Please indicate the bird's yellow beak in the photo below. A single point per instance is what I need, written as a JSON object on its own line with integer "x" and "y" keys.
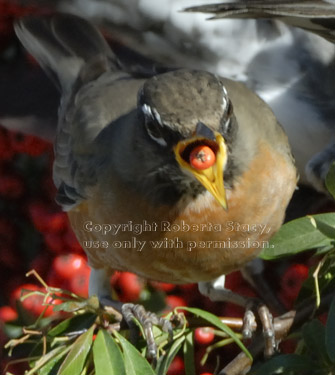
{"x": 212, "y": 177}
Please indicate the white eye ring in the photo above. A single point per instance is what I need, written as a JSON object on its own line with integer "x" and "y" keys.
{"x": 152, "y": 114}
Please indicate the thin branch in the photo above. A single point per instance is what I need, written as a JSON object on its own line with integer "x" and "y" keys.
{"x": 292, "y": 320}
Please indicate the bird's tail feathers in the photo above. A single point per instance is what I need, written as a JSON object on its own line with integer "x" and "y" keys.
{"x": 63, "y": 44}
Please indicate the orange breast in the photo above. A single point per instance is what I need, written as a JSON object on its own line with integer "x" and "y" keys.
{"x": 195, "y": 242}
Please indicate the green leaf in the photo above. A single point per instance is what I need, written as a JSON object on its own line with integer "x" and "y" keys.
{"x": 326, "y": 229}
{"x": 107, "y": 356}
{"x": 74, "y": 324}
{"x": 330, "y": 332}
{"x": 188, "y": 349}
{"x": 165, "y": 361}
{"x": 47, "y": 358}
{"x": 215, "y": 321}
{"x": 70, "y": 306}
{"x": 51, "y": 367}
{"x": 284, "y": 364}
{"x": 314, "y": 338}
{"x": 75, "y": 360}
{"x": 330, "y": 180}
{"x": 134, "y": 362}
{"x": 12, "y": 330}
{"x": 326, "y": 280}
{"x": 298, "y": 235}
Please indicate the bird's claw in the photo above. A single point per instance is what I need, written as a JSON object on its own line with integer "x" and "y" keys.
{"x": 147, "y": 320}
{"x": 266, "y": 320}
{"x": 249, "y": 323}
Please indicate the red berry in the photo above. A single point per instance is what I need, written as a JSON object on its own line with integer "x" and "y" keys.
{"x": 177, "y": 366}
{"x": 31, "y": 145}
{"x": 165, "y": 287}
{"x": 174, "y": 301}
{"x": 287, "y": 302}
{"x": 54, "y": 243}
{"x": 46, "y": 219}
{"x": 67, "y": 266}
{"x": 79, "y": 282}
{"x": 34, "y": 303}
{"x": 202, "y": 157}
{"x": 71, "y": 242}
{"x": 11, "y": 186}
{"x": 114, "y": 278}
{"x": 204, "y": 335}
{"x": 292, "y": 280}
{"x": 55, "y": 281}
{"x": 128, "y": 287}
{"x": 52, "y": 302}
{"x": 7, "y": 314}
{"x": 57, "y": 222}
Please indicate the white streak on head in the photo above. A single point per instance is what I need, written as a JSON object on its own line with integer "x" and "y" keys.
{"x": 146, "y": 109}
{"x": 152, "y": 112}
{"x": 224, "y": 99}
{"x": 157, "y": 116}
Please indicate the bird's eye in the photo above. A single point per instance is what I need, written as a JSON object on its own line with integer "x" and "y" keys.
{"x": 153, "y": 125}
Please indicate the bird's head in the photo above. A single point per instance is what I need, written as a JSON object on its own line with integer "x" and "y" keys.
{"x": 187, "y": 118}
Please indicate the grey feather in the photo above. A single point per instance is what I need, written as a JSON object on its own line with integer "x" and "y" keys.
{"x": 317, "y": 16}
{"x": 62, "y": 45}
{"x": 75, "y": 54}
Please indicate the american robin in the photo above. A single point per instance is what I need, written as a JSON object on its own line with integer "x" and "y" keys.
{"x": 179, "y": 177}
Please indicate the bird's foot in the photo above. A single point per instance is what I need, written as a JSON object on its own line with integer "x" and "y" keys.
{"x": 216, "y": 292}
{"x": 128, "y": 313}
{"x": 131, "y": 312}
{"x": 266, "y": 320}
{"x": 146, "y": 319}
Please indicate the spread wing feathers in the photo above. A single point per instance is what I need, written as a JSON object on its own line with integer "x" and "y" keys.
{"x": 63, "y": 44}
{"x": 77, "y": 56}
{"x": 317, "y": 16}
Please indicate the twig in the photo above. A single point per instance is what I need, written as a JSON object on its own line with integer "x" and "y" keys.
{"x": 292, "y": 320}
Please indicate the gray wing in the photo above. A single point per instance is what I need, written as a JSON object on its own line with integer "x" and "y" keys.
{"x": 62, "y": 44}
{"x": 93, "y": 88}
{"x": 317, "y": 16}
